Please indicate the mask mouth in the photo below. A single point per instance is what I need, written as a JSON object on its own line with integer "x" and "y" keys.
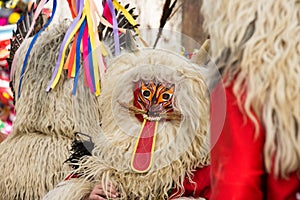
{"x": 152, "y": 117}
{"x": 158, "y": 114}
{"x": 154, "y": 113}
{"x": 142, "y": 115}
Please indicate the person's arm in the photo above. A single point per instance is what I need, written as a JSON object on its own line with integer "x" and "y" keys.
{"x": 237, "y": 158}
{"x": 197, "y": 188}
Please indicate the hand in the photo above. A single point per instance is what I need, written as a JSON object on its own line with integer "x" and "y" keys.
{"x": 98, "y": 192}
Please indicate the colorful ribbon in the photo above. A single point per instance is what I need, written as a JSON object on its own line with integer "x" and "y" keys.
{"x": 86, "y": 45}
{"x": 31, "y": 45}
{"x": 127, "y": 15}
{"x": 78, "y": 42}
{"x": 93, "y": 28}
{"x": 115, "y": 27}
{"x": 67, "y": 39}
{"x": 86, "y": 23}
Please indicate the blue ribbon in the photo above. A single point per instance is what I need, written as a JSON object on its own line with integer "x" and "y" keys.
{"x": 91, "y": 64}
{"x": 80, "y": 34}
{"x": 67, "y": 35}
{"x": 31, "y": 45}
{"x": 115, "y": 27}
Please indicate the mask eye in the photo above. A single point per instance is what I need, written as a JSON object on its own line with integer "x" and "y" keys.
{"x": 146, "y": 93}
{"x": 166, "y": 96}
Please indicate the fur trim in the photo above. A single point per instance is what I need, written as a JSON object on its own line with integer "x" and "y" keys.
{"x": 31, "y": 165}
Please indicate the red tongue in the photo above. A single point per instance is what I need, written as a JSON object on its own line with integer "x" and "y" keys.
{"x": 144, "y": 147}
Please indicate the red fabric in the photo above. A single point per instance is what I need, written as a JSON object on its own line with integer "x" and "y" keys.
{"x": 202, "y": 186}
{"x": 107, "y": 14}
{"x": 70, "y": 176}
{"x": 72, "y": 7}
{"x": 286, "y": 189}
{"x": 237, "y": 167}
{"x": 143, "y": 154}
{"x": 199, "y": 186}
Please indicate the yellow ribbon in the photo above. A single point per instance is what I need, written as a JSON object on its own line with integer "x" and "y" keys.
{"x": 127, "y": 15}
{"x": 92, "y": 28}
{"x": 65, "y": 48}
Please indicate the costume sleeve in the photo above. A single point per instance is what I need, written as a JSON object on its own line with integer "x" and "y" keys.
{"x": 237, "y": 157}
{"x": 283, "y": 188}
{"x": 199, "y": 186}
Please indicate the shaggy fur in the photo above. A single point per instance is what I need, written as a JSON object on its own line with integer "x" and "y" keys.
{"x": 266, "y": 80}
{"x": 181, "y": 146}
{"x": 31, "y": 158}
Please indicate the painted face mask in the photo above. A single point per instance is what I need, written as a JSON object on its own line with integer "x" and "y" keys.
{"x": 154, "y": 101}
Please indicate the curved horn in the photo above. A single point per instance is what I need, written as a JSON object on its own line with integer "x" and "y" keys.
{"x": 201, "y": 57}
{"x": 130, "y": 42}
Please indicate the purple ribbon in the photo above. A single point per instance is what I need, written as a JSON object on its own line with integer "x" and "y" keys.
{"x": 71, "y": 28}
{"x": 115, "y": 27}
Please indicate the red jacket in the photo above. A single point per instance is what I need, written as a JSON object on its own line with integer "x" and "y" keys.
{"x": 237, "y": 164}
